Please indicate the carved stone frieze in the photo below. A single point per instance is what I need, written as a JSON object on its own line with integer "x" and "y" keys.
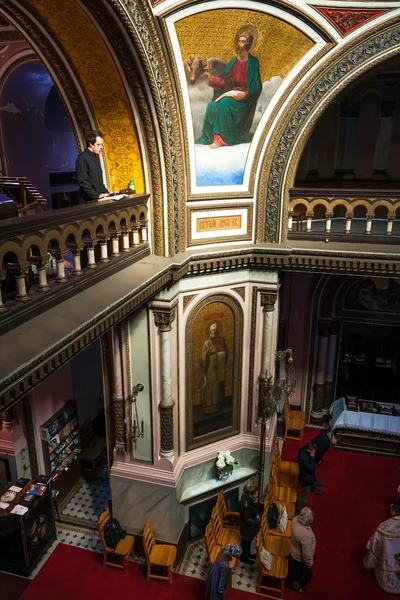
{"x": 164, "y": 317}
{"x": 346, "y": 20}
{"x": 118, "y": 406}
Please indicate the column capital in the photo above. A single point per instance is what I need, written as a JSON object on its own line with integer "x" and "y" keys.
{"x": 18, "y": 269}
{"x": 59, "y": 255}
{"x": 329, "y": 215}
{"x": 40, "y": 260}
{"x": 164, "y": 317}
{"x": 268, "y": 299}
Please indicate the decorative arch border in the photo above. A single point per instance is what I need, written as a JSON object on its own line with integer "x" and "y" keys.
{"x": 291, "y": 137}
{"x": 232, "y": 302}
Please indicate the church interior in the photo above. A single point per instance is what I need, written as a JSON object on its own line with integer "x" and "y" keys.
{"x": 233, "y": 307}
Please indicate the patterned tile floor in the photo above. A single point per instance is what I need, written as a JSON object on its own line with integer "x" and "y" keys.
{"x": 85, "y": 503}
{"x": 194, "y": 564}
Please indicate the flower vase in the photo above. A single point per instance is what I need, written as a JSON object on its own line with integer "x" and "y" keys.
{"x": 223, "y": 475}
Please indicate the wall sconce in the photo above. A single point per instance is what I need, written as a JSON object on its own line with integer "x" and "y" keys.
{"x": 136, "y": 432}
{"x": 289, "y": 383}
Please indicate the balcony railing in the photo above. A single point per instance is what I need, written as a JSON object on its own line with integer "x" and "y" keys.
{"x": 345, "y": 215}
{"x": 52, "y": 255}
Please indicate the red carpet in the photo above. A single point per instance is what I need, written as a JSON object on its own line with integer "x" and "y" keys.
{"x": 75, "y": 574}
{"x": 359, "y": 490}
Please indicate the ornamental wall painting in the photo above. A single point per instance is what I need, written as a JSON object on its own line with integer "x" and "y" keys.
{"x": 233, "y": 62}
{"x": 213, "y": 357}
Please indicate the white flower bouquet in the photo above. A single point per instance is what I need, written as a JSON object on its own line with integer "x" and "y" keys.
{"x": 224, "y": 463}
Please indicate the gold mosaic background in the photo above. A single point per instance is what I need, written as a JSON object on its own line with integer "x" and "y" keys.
{"x": 94, "y": 65}
{"x": 216, "y": 312}
{"x": 279, "y": 46}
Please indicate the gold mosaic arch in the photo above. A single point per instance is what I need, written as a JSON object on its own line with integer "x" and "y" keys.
{"x": 104, "y": 87}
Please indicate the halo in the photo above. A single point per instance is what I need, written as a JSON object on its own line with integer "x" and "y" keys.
{"x": 244, "y": 31}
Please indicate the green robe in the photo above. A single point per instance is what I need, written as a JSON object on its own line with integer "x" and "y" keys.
{"x": 229, "y": 118}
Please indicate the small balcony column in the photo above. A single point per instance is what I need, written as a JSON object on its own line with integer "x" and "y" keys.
{"x": 125, "y": 241}
{"x": 60, "y": 260}
{"x": 368, "y": 225}
{"x": 2, "y": 278}
{"x": 90, "y": 246}
{"x": 348, "y": 223}
{"x": 41, "y": 264}
{"x": 115, "y": 244}
{"x": 328, "y": 225}
{"x": 76, "y": 256}
{"x": 19, "y": 272}
{"x": 103, "y": 241}
{"x": 309, "y": 216}
{"x": 290, "y": 220}
{"x": 135, "y": 235}
{"x": 389, "y": 224}
{"x": 143, "y": 230}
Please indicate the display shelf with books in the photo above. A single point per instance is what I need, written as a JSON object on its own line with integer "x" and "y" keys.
{"x": 60, "y": 440}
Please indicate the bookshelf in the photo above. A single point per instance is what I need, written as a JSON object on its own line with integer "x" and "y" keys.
{"x": 61, "y": 443}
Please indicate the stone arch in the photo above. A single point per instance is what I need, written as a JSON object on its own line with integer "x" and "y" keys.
{"x": 36, "y": 240}
{"x": 295, "y": 126}
{"x": 45, "y": 25}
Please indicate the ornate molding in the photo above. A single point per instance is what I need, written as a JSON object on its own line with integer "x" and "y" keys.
{"x": 187, "y": 300}
{"x": 118, "y": 406}
{"x": 166, "y": 430}
{"x": 356, "y": 58}
{"x": 252, "y": 356}
{"x": 346, "y": 20}
{"x": 139, "y": 20}
{"x": 241, "y": 291}
{"x": 133, "y": 76}
{"x": 268, "y": 300}
{"x": 164, "y": 317}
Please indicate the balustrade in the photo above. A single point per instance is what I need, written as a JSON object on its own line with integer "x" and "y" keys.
{"x": 30, "y": 246}
{"x": 363, "y": 213}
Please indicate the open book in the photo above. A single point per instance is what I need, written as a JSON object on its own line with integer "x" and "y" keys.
{"x": 230, "y": 94}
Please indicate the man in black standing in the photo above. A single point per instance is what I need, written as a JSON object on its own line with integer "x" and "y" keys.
{"x": 88, "y": 169}
{"x": 249, "y": 521}
{"x": 308, "y": 481}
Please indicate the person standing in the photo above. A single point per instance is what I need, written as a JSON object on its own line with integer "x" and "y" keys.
{"x": 308, "y": 481}
{"x": 384, "y": 552}
{"x": 88, "y": 169}
{"x": 218, "y": 578}
{"x": 302, "y": 548}
{"x": 249, "y": 521}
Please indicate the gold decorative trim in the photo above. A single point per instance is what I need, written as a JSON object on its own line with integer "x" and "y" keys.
{"x": 241, "y": 291}
{"x": 217, "y": 239}
{"x": 203, "y": 440}
{"x": 187, "y": 300}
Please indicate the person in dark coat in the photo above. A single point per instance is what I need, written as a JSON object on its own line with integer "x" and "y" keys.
{"x": 323, "y": 443}
{"x": 88, "y": 169}
{"x": 249, "y": 521}
{"x": 218, "y": 578}
{"x": 308, "y": 481}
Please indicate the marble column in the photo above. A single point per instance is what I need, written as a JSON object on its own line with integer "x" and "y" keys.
{"x": 290, "y": 220}
{"x": 348, "y": 222}
{"x": 19, "y": 272}
{"x": 125, "y": 241}
{"x": 40, "y": 262}
{"x": 118, "y": 393}
{"x": 103, "y": 247}
{"x": 309, "y": 216}
{"x": 115, "y": 244}
{"x": 90, "y": 246}
{"x": 268, "y": 300}
{"x": 330, "y": 367}
{"x": 60, "y": 258}
{"x": 389, "y": 225}
{"x": 328, "y": 223}
{"x": 319, "y": 385}
{"x": 368, "y": 224}
{"x": 163, "y": 318}
{"x": 76, "y": 257}
{"x": 135, "y": 235}
{"x": 143, "y": 230}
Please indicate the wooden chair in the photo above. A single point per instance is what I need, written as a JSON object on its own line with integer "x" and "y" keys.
{"x": 121, "y": 552}
{"x": 285, "y": 466}
{"x": 93, "y": 447}
{"x": 157, "y": 555}
{"x": 290, "y": 506}
{"x": 283, "y": 493}
{"x": 277, "y": 545}
{"x": 277, "y": 574}
{"x": 229, "y": 518}
{"x": 294, "y": 422}
{"x": 223, "y": 535}
{"x": 213, "y": 549}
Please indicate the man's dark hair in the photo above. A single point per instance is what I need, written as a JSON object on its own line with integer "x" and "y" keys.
{"x": 250, "y": 40}
{"x": 396, "y": 508}
{"x": 311, "y": 446}
{"x": 92, "y": 135}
